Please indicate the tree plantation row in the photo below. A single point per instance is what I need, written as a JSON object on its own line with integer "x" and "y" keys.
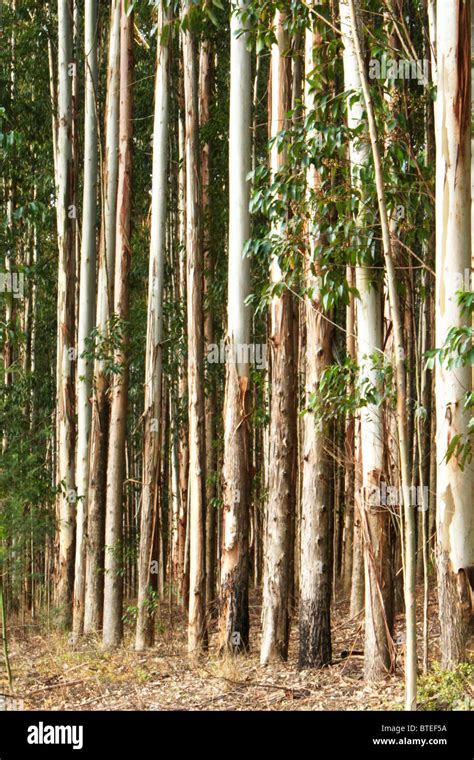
{"x": 236, "y": 322}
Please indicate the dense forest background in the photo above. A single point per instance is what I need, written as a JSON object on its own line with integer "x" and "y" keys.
{"x": 236, "y": 353}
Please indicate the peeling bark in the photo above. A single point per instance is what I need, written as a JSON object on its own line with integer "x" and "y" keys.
{"x": 153, "y": 356}
{"x": 316, "y": 496}
{"x": 375, "y": 520}
{"x": 113, "y": 560}
{"x": 94, "y": 591}
{"x": 455, "y": 488}
{"x": 234, "y": 613}
{"x": 196, "y": 403}
{"x": 65, "y": 433}
{"x": 283, "y": 420}
{"x": 86, "y": 310}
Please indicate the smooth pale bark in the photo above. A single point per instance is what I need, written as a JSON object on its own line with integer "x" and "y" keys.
{"x": 194, "y": 256}
{"x": 316, "y": 495}
{"x": 33, "y": 328}
{"x": 375, "y": 519}
{"x": 154, "y": 350}
{"x": 234, "y": 613}
{"x": 455, "y": 490}
{"x": 105, "y": 288}
{"x": 283, "y": 420}
{"x": 65, "y": 478}
{"x": 113, "y": 562}
{"x": 358, "y": 153}
{"x": 87, "y": 291}
{"x": 431, "y": 15}
{"x": 400, "y": 375}
{"x": 53, "y": 99}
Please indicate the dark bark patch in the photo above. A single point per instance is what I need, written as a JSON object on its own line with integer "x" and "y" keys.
{"x": 462, "y": 102}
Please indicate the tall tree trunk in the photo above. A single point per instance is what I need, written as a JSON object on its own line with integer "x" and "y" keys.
{"x": 283, "y": 420}
{"x": 113, "y": 560}
{"x": 315, "y": 561}
{"x": 234, "y": 613}
{"x": 53, "y": 96}
{"x": 206, "y": 72}
{"x": 375, "y": 517}
{"x": 194, "y": 255}
{"x": 174, "y": 516}
{"x": 105, "y": 288}
{"x": 153, "y": 355}
{"x": 455, "y": 495}
{"x": 8, "y": 185}
{"x": 400, "y": 374}
{"x": 181, "y": 575}
{"x": 75, "y": 159}
{"x": 65, "y": 503}
{"x": 9, "y": 321}
{"x": 86, "y": 308}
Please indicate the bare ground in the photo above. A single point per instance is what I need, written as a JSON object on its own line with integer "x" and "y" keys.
{"x": 51, "y": 673}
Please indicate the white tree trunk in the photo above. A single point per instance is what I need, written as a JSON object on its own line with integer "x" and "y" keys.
{"x": 375, "y": 520}
{"x": 105, "y": 288}
{"x": 315, "y": 557}
{"x": 401, "y": 385}
{"x": 153, "y": 355}
{"x": 65, "y": 312}
{"x": 87, "y": 295}
{"x": 234, "y": 614}
{"x": 194, "y": 256}
{"x": 431, "y": 13}
{"x": 113, "y": 560}
{"x": 53, "y": 99}
{"x": 455, "y": 488}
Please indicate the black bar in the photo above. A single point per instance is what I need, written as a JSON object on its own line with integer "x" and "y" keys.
{"x": 225, "y": 735}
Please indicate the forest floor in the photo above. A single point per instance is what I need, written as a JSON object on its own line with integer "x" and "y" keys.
{"x": 51, "y": 673}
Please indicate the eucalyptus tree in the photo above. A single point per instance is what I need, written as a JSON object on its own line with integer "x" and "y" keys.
{"x": 104, "y": 307}
{"x": 206, "y": 85}
{"x": 65, "y": 402}
{"x": 375, "y": 518}
{"x": 316, "y": 495}
{"x": 400, "y": 384}
{"x": 154, "y": 349}
{"x": 113, "y": 559}
{"x": 455, "y": 477}
{"x": 195, "y": 337}
{"x": 86, "y": 311}
{"x": 283, "y": 427}
{"x": 234, "y": 613}
{"x": 180, "y": 569}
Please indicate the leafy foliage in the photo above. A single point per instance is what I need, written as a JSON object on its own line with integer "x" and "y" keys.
{"x": 447, "y": 689}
